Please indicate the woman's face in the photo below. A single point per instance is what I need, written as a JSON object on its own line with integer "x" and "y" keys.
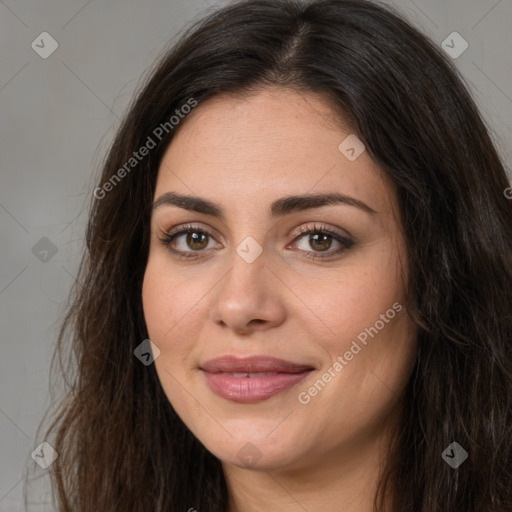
{"x": 253, "y": 279}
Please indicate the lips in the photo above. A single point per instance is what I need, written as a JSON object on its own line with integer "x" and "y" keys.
{"x": 255, "y": 364}
{"x": 252, "y": 379}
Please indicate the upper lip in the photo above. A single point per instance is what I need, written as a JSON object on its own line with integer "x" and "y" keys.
{"x": 253, "y": 364}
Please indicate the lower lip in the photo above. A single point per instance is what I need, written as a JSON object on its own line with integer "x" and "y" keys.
{"x": 252, "y": 389}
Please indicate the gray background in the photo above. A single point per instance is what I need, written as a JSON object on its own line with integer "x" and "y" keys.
{"x": 58, "y": 116}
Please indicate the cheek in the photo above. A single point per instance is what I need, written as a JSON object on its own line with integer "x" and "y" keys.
{"x": 355, "y": 300}
{"x": 371, "y": 332}
{"x": 155, "y": 301}
{"x": 169, "y": 309}
{"x": 171, "y": 321}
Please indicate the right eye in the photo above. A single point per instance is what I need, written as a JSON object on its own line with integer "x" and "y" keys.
{"x": 184, "y": 241}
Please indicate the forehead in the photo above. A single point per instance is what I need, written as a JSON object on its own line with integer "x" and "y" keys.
{"x": 271, "y": 143}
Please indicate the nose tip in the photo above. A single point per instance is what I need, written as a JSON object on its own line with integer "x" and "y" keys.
{"x": 248, "y": 298}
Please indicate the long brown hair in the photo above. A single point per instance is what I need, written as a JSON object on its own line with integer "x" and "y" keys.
{"x": 121, "y": 445}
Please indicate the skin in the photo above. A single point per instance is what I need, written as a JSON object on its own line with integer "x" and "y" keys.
{"x": 244, "y": 153}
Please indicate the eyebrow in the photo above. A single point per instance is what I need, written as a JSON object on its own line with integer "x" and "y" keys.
{"x": 279, "y": 208}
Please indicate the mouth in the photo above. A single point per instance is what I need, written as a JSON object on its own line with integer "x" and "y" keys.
{"x": 253, "y": 379}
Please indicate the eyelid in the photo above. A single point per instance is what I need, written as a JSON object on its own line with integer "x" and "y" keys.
{"x": 345, "y": 240}
{"x": 188, "y": 227}
{"x": 303, "y": 229}
{"x": 169, "y": 235}
{"x": 324, "y": 228}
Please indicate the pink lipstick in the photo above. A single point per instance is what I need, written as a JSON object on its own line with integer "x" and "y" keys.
{"x": 252, "y": 379}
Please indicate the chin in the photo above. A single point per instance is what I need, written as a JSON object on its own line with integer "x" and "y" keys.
{"x": 258, "y": 451}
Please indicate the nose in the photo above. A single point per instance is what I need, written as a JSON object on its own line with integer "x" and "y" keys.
{"x": 249, "y": 297}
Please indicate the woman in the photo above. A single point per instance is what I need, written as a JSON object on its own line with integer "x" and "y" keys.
{"x": 305, "y": 214}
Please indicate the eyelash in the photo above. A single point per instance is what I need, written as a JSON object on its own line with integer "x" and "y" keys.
{"x": 168, "y": 238}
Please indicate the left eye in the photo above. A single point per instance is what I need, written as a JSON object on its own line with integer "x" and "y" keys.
{"x": 320, "y": 240}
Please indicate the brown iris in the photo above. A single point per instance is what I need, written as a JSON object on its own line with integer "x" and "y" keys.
{"x": 197, "y": 238}
{"x": 322, "y": 246}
